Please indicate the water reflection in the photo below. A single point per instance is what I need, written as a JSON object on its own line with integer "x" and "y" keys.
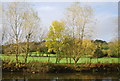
{"x": 19, "y": 76}
{"x": 61, "y": 80}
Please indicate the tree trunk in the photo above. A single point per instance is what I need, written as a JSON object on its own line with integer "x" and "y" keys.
{"x": 27, "y": 50}
{"x": 56, "y": 58}
{"x": 90, "y": 60}
{"x": 66, "y": 60}
{"x": 49, "y": 58}
{"x": 17, "y": 50}
{"x": 70, "y": 58}
{"x": 75, "y": 63}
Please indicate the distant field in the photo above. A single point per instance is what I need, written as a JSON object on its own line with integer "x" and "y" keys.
{"x": 63, "y": 60}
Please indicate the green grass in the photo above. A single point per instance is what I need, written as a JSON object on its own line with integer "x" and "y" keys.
{"x": 63, "y": 60}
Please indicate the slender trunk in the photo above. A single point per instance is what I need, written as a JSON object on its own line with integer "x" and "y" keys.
{"x": 82, "y": 35}
{"x": 97, "y": 60}
{"x": 17, "y": 50}
{"x": 39, "y": 54}
{"x": 86, "y": 58}
{"x": 90, "y": 60}
{"x": 16, "y": 35}
{"x": 49, "y": 58}
{"x": 75, "y": 63}
{"x": 66, "y": 60}
{"x": 56, "y": 58}
{"x": 70, "y": 60}
{"x": 27, "y": 50}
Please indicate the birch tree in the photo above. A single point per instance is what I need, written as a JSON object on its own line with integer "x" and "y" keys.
{"x": 31, "y": 27}
{"x": 14, "y": 22}
{"x": 22, "y": 24}
{"x": 77, "y": 18}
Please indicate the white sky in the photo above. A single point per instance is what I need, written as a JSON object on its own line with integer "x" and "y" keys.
{"x": 59, "y": 0}
{"x": 105, "y": 14}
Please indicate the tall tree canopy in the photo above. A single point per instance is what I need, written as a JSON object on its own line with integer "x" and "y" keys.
{"x": 78, "y": 20}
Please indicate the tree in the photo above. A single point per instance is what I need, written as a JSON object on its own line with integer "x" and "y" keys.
{"x": 14, "y": 22}
{"x": 23, "y": 24}
{"x": 98, "y": 52}
{"x": 77, "y": 19}
{"x": 101, "y": 46}
{"x": 114, "y": 49}
{"x": 54, "y": 38}
{"x": 31, "y": 27}
{"x": 89, "y": 48}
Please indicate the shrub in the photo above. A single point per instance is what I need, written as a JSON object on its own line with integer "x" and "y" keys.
{"x": 8, "y": 65}
{"x": 98, "y": 52}
{"x": 37, "y": 67}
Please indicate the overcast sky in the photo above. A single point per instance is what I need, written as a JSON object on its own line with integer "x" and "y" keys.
{"x": 105, "y": 14}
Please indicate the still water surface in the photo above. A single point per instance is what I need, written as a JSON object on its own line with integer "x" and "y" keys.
{"x": 19, "y": 76}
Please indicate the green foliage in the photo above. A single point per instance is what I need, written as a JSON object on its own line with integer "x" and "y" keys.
{"x": 98, "y": 52}
{"x": 54, "y": 37}
{"x": 114, "y": 49}
{"x": 102, "y": 48}
{"x": 33, "y": 47}
{"x": 10, "y": 65}
{"x": 89, "y": 48}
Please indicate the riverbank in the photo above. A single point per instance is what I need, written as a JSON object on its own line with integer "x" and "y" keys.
{"x": 67, "y": 76}
{"x": 45, "y": 67}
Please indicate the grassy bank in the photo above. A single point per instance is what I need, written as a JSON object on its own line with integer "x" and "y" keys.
{"x": 44, "y": 67}
{"x": 36, "y": 67}
{"x": 41, "y": 64}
